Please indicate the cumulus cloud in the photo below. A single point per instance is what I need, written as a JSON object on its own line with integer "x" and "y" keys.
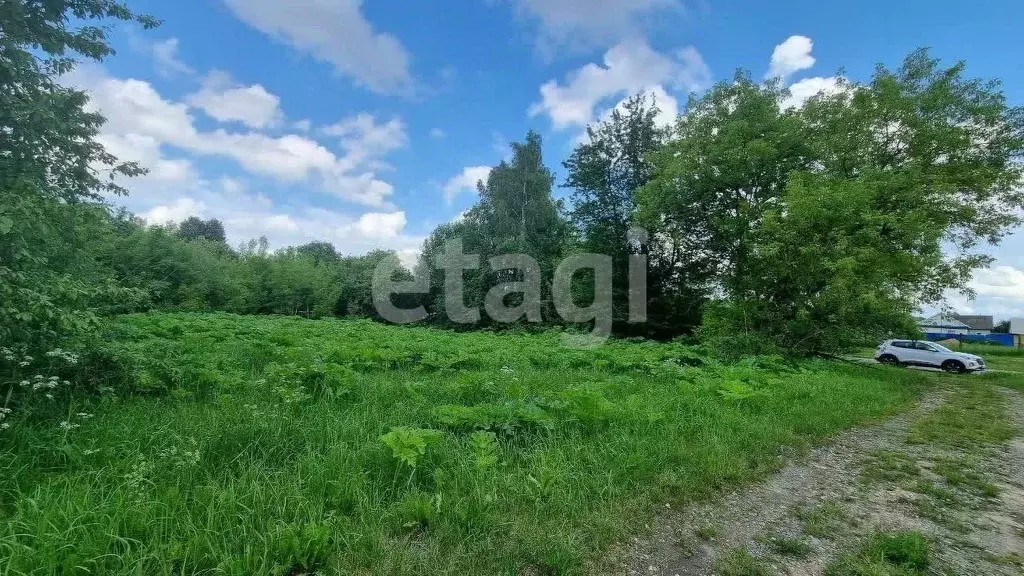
{"x": 998, "y": 291}
{"x": 225, "y": 101}
{"x": 1000, "y": 282}
{"x": 465, "y": 181}
{"x": 179, "y": 210}
{"x": 137, "y": 114}
{"x": 165, "y": 55}
{"x": 628, "y": 67}
{"x": 793, "y": 55}
{"x": 582, "y": 24}
{"x": 336, "y": 32}
{"x": 246, "y": 216}
{"x": 381, "y": 224}
{"x": 800, "y": 92}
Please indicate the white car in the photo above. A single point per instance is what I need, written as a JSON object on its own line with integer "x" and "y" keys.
{"x": 930, "y": 354}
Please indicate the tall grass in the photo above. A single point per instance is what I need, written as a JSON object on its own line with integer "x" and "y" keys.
{"x": 251, "y": 445}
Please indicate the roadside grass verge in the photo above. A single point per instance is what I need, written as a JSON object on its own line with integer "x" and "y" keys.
{"x": 256, "y": 445}
{"x": 974, "y": 414}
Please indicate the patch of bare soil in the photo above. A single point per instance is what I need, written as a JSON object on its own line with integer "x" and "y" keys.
{"x": 968, "y": 502}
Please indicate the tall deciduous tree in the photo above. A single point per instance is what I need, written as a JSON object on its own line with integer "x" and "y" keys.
{"x": 727, "y": 162}
{"x": 194, "y": 228}
{"x": 605, "y": 173}
{"x": 908, "y": 175}
{"x": 515, "y": 214}
{"x": 48, "y": 159}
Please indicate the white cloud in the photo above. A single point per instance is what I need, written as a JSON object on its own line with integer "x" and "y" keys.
{"x": 668, "y": 107}
{"x": 246, "y": 216}
{"x": 437, "y": 133}
{"x": 381, "y": 224}
{"x": 138, "y": 115}
{"x": 225, "y": 101}
{"x": 303, "y": 125}
{"x": 465, "y": 181}
{"x": 1000, "y": 282}
{"x": 364, "y": 138}
{"x": 800, "y": 92}
{"x": 334, "y": 31}
{"x": 999, "y": 292}
{"x": 584, "y": 24}
{"x": 179, "y": 210}
{"x": 628, "y": 67}
{"x": 165, "y": 54}
{"x": 793, "y": 55}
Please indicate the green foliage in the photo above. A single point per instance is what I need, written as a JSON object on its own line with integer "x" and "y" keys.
{"x": 739, "y": 562}
{"x": 194, "y": 228}
{"x": 485, "y": 449}
{"x": 886, "y": 554}
{"x": 409, "y": 444}
{"x": 554, "y": 463}
{"x": 858, "y": 193}
{"x": 49, "y": 184}
{"x": 516, "y": 214}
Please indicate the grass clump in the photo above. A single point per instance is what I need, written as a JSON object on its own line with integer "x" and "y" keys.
{"x": 960, "y": 473}
{"x": 792, "y": 547}
{"x": 888, "y": 466}
{"x": 886, "y": 554}
{"x": 822, "y": 521}
{"x": 707, "y": 532}
{"x": 739, "y": 562}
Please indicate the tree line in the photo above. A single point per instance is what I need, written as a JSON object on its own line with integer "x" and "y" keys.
{"x": 768, "y": 227}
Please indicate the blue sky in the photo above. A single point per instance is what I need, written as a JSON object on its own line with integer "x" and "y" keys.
{"x": 367, "y": 123}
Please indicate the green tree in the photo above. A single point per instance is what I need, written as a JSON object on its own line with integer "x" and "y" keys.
{"x": 908, "y": 175}
{"x": 605, "y": 173}
{"x": 727, "y": 161}
{"x": 515, "y": 214}
{"x": 48, "y": 159}
{"x": 193, "y": 228}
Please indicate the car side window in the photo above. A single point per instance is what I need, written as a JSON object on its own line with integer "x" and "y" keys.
{"x": 899, "y": 344}
{"x": 925, "y": 346}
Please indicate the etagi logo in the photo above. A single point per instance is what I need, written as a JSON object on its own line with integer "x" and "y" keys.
{"x": 454, "y": 261}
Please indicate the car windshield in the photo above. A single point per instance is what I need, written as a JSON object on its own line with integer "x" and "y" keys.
{"x": 942, "y": 348}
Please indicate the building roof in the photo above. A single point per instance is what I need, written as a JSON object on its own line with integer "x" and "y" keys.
{"x": 943, "y": 321}
{"x": 977, "y": 322}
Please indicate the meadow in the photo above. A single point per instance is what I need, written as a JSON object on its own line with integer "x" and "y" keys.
{"x": 226, "y": 444}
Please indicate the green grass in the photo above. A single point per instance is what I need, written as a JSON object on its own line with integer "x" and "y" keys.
{"x": 793, "y": 547}
{"x": 974, "y": 415}
{"x": 707, "y": 532}
{"x": 257, "y": 445}
{"x": 739, "y": 562}
{"x": 886, "y": 554}
{"x": 824, "y": 520}
{"x": 888, "y": 466}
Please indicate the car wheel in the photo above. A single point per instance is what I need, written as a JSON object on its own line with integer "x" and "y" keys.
{"x": 889, "y": 359}
{"x": 954, "y": 367}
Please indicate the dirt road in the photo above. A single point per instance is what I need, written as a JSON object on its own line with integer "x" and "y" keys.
{"x": 949, "y": 474}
